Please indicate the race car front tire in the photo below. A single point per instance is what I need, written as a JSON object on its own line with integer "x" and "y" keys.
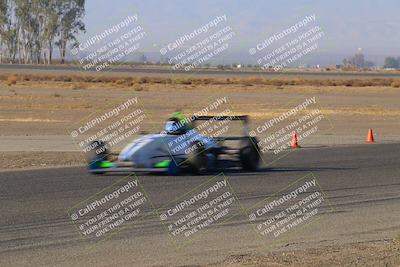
{"x": 98, "y": 152}
{"x": 173, "y": 168}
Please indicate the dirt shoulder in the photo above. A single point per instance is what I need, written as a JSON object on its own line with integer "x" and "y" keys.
{"x": 375, "y": 253}
{"x": 23, "y": 159}
{"x": 56, "y": 107}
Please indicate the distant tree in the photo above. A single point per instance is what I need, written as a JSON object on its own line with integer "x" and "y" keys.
{"x": 70, "y": 24}
{"x": 9, "y": 29}
{"x": 3, "y": 25}
{"x": 358, "y": 61}
{"x": 28, "y": 28}
{"x": 392, "y": 63}
{"x": 49, "y": 29}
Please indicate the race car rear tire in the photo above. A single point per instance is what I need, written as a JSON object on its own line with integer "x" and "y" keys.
{"x": 248, "y": 155}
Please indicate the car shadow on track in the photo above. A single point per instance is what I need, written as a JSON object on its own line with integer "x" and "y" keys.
{"x": 239, "y": 172}
{"x": 265, "y": 171}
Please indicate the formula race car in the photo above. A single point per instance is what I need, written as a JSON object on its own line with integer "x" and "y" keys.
{"x": 179, "y": 147}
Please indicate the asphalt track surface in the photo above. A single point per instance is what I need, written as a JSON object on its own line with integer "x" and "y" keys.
{"x": 362, "y": 184}
{"x": 167, "y": 71}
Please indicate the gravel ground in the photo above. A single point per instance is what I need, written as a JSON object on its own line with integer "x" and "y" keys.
{"x": 377, "y": 253}
{"x": 19, "y": 160}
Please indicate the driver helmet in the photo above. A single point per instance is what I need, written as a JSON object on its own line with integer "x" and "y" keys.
{"x": 172, "y": 126}
{"x": 176, "y": 124}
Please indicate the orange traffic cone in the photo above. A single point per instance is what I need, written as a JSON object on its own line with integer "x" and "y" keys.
{"x": 370, "y": 138}
{"x": 294, "y": 141}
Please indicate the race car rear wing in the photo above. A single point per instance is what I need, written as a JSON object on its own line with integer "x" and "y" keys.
{"x": 243, "y": 118}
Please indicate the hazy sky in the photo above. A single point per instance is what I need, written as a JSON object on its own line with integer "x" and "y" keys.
{"x": 348, "y": 24}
